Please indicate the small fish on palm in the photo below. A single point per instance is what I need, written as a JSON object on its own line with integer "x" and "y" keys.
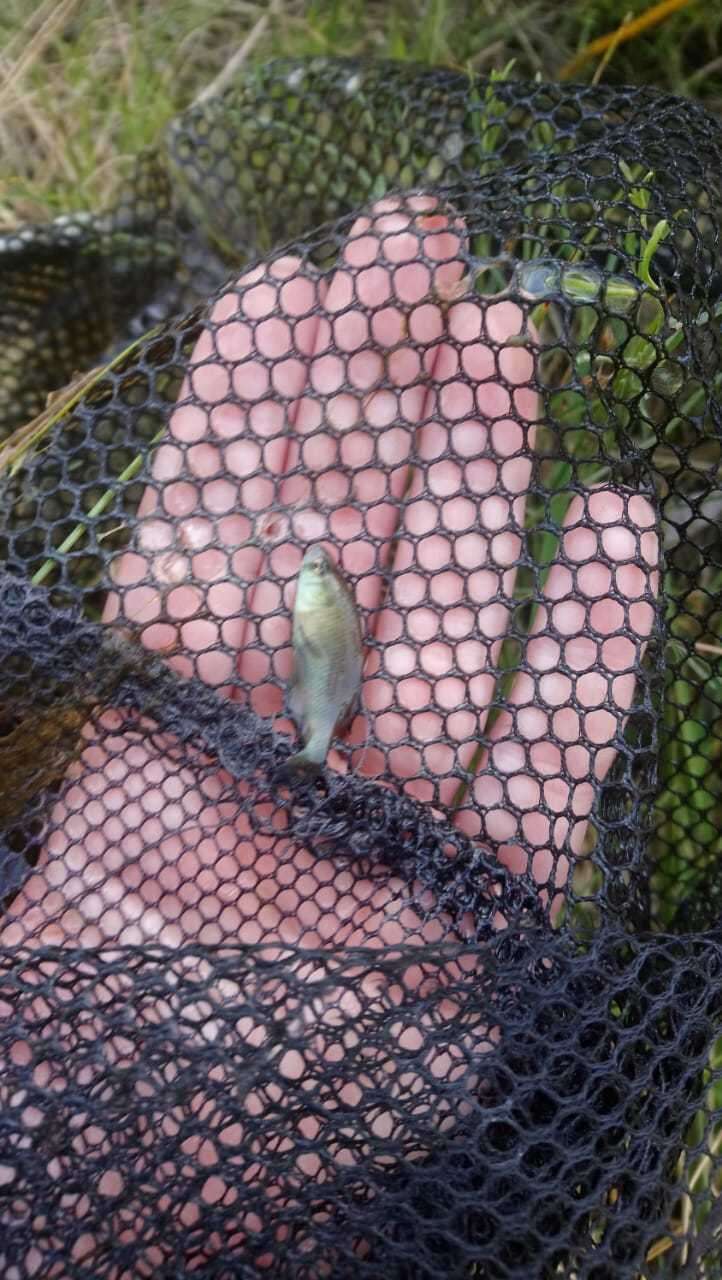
{"x": 328, "y": 656}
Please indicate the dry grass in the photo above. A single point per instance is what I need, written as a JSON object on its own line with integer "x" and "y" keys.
{"x": 84, "y": 84}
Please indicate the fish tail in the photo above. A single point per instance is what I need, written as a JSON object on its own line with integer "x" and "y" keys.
{"x": 298, "y": 766}
{"x": 308, "y": 762}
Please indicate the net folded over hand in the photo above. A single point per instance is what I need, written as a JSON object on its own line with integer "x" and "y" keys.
{"x": 452, "y": 1008}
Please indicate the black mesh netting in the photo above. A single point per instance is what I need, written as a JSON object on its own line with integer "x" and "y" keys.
{"x": 453, "y": 1006}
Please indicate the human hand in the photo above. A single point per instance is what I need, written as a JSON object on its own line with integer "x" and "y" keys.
{"x": 378, "y": 410}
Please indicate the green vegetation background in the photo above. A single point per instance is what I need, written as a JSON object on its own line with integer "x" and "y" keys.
{"x": 84, "y": 84}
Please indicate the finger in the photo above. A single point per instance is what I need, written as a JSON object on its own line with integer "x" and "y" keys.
{"x": 202, "y": 521}
{"x": 554, "y": 742}
{"x": 127, "y": 846}
{"x": 460, "y": 542}
{"x": 354, "y": 428}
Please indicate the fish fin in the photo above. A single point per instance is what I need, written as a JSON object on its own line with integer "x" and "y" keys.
{"x": 306, "y": 643}
{"x": 294, "y": 700}
{"x": 299, "y": 680}
{"x": 347, "y": 717}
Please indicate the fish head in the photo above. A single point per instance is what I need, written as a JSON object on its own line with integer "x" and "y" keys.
{"x": 318, "y": 580}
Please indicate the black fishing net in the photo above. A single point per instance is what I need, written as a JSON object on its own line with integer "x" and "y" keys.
{"x": 452, "y": 1008}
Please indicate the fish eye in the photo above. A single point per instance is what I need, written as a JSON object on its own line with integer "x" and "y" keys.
{"x": 317, "y": 561}
{"x": 319, "y": 564}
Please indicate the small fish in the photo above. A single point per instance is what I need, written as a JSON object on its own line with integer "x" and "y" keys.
{"x": 328, "y": 653}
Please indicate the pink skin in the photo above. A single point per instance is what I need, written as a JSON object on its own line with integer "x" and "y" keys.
{"x": 141, "y": 849}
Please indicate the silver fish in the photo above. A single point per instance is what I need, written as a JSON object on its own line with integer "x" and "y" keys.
{"x": 328, "y": 656}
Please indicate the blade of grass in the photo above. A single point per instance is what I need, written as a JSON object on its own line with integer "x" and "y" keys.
{"x": 54, "y": 23}
{"x": 611, "y": 48}
{"x": 236, "y": 60}
{"x": 627, "y": 31}
{"x": 129, "y": 473}
{"x": 25, "y": 438}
